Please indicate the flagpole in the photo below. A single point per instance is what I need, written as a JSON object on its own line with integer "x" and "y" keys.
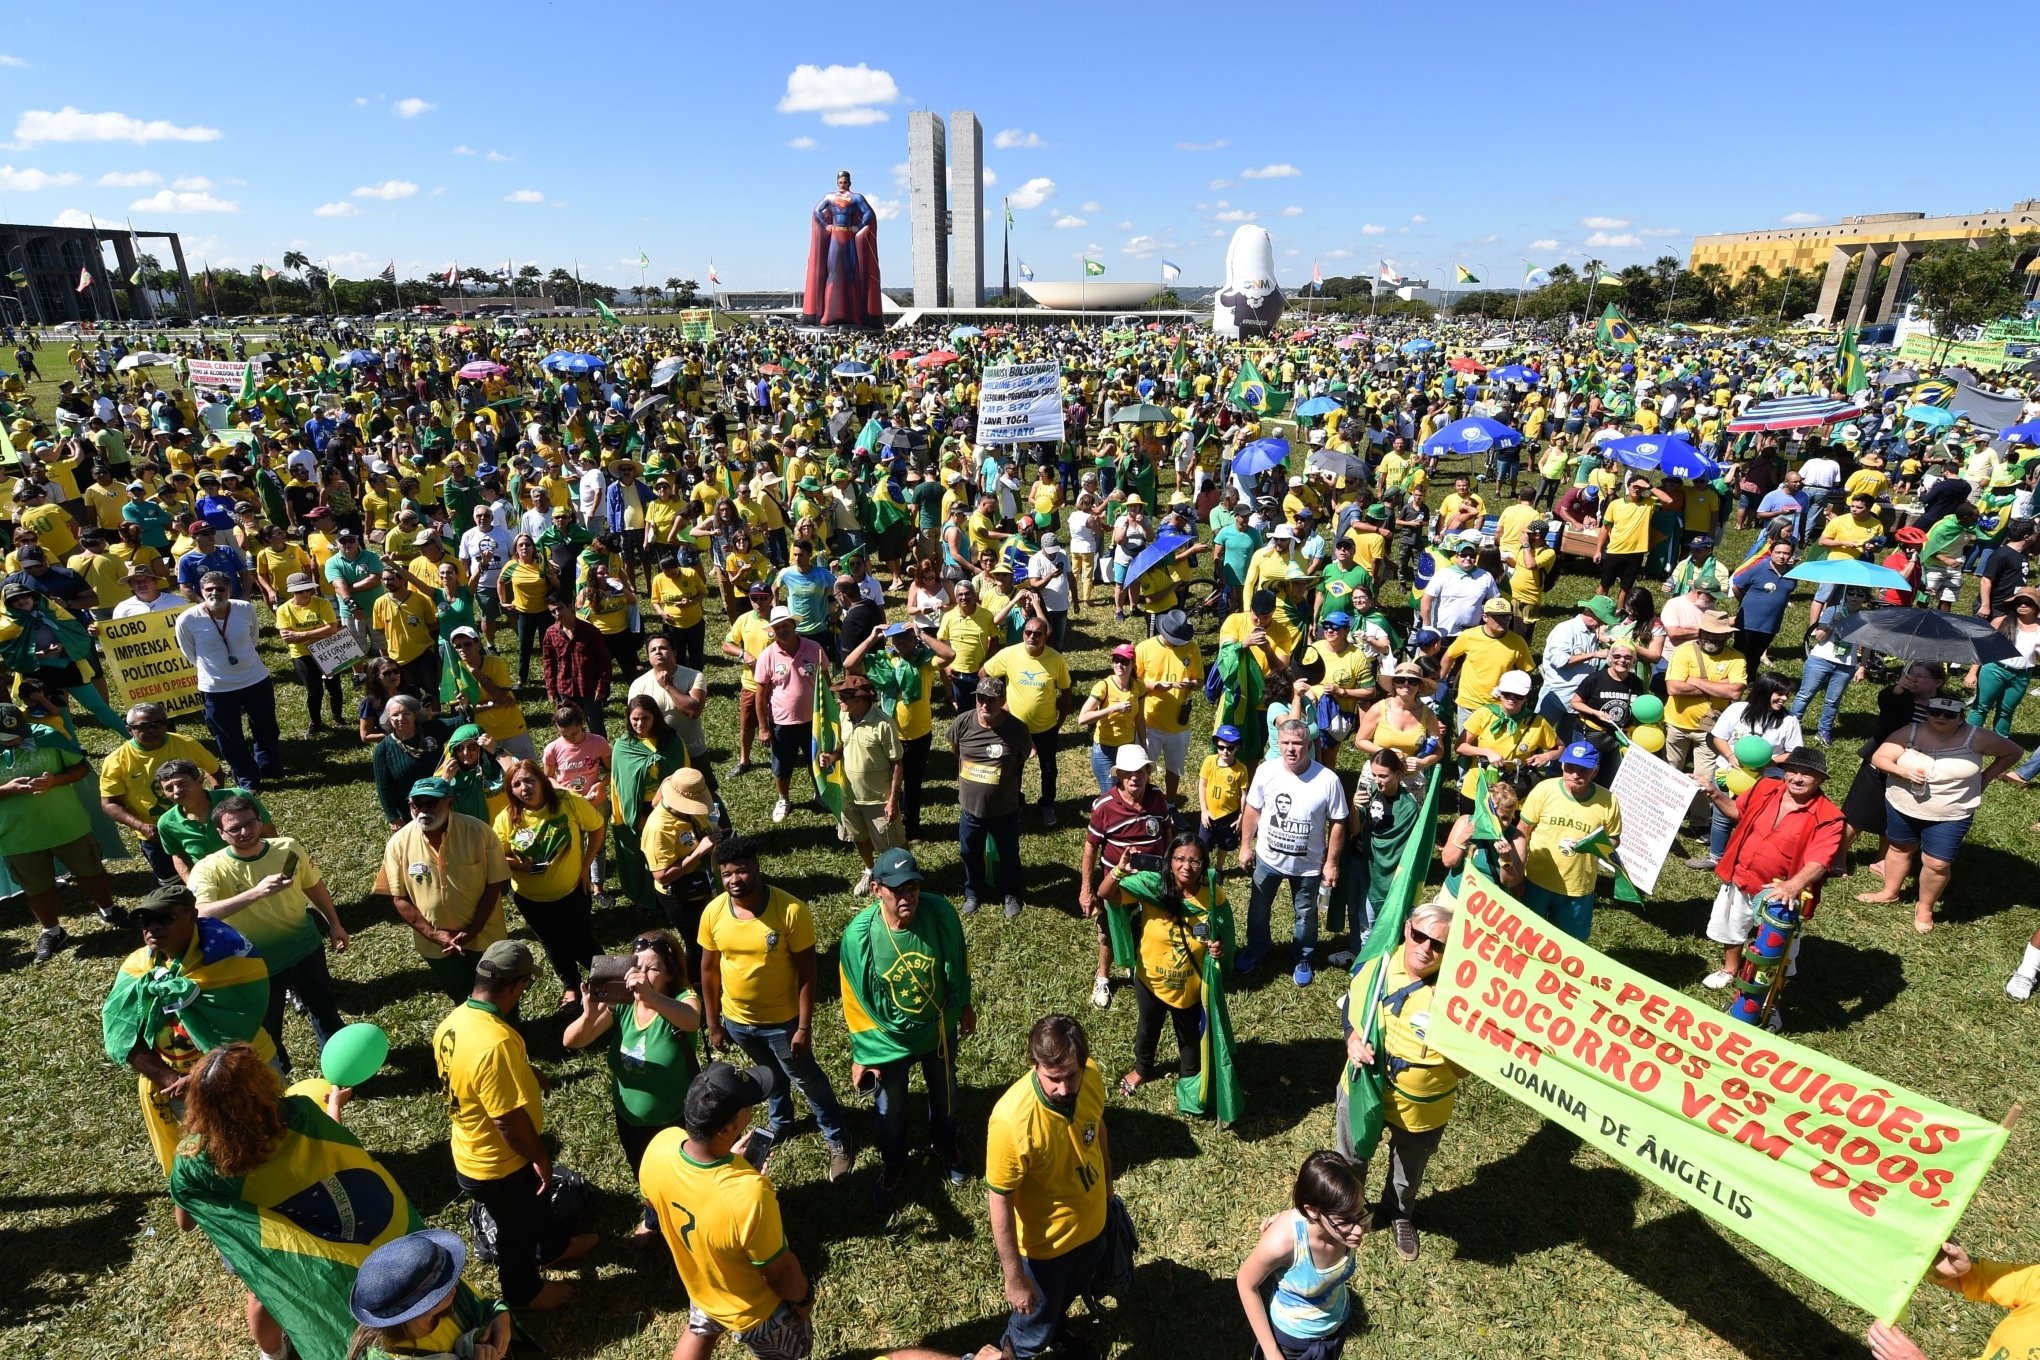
{"x": 1006, "y": 254}
{"x": 1670, "y": 297}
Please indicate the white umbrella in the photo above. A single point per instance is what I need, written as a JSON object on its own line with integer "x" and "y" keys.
{"x": 666, "y": 370}
{"x": 1334, "y": 462}
{"x": 144, "y": 359}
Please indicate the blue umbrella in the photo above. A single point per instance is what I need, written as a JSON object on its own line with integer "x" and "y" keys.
{"x": 1939, "y": 417}
{"x": 1261, "y": 455}
{"x": 1848, "y": 571}
{"x": 1418, "y": 347}
{"x": 1517, "y": 373}
{"x": 1672, "y": 456}
{"x": 355, "y": 358}
{"x": 1475, "y": 434}
{"x": 1161, "y": 550}
{"x": 964, "y": 332}
{"x": 569, "y": 361}
{"x": 852, "y": 368}
{"x": 2028, "y": 433}
{"x": 1318, "y": 406}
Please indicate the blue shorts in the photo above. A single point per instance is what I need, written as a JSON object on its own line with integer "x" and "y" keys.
{"x": 1937, "y": 840}
{"x": 1573, "y": 915}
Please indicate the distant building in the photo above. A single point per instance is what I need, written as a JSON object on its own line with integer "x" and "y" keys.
{"x": 928, "y": 207}
{"x": 1879, "y": 241}
{"x": 51, "y": 260}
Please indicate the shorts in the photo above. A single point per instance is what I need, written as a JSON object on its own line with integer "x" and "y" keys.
{"x": 35, "y": 871}
{"x": 1942, "y": 583}
{"x": 867, "y": 824}
{"x": 491, "y": 601}
{"x": 1169, "y": 749}
{"x": 1734, "y": 916}
{"x": 786, "y": 1335}
{"x": 1573, "y": 915}
{"x": 1937, "y": 840}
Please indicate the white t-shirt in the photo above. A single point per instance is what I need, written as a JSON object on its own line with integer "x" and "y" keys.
{"x": 1055, "y": 593}
{"x": 1733, "y": 724}
{"x": 164, "y": 602}
{"x": 472, "y": 542}
{"x": 1297, "y": 811}
{"x": 1083, "y": 528}
{"x": 688, "y": 681}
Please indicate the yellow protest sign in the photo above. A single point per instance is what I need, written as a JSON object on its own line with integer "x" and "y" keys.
{"x": 144, "y": 665}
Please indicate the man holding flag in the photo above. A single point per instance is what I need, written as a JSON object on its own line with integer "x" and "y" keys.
{"x": 867, "y": 752}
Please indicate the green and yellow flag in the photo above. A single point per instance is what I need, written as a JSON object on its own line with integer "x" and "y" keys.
{"x": 897, "y": 985}
{"x": 607, "y": 317}
{"x": 1613, "y": 331}
{"x": 297, "y": 1228}
{"x": 1250, "y": 391}
{"x": 1092, "y": 269}
{"x": 1215, "y": 1090}
{"x": 830, "y": 785}
{"x": 458, "y": 684}
{"x": 1606, "y": 277}
{"x": 1462, "y": 274}
{"x": 1855, "y": 377}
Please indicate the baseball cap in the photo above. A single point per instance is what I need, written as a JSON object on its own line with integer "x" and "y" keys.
{"x": 162, "y": 903}
{"x": 464, "y": 632}
{"x": 1338, "y": 618}
{"x": 1513, "y": 682}
{"x": 1228, "y": 734}
{"x": 1581, "y": 754}
{"x": 1497, "y": 605}
{"x": 506, "y": 960}
{"x": 759, "y": 588}
{"x": 896, "y": 868}
{"x": 992, "y": 687}
{"x": 722, "y": 1092}
{"x": 1130, "y": 758}
{"x": 1124, "y": 652}
{"x": 432, "y": 786}
{"x": 1261, "y": 602}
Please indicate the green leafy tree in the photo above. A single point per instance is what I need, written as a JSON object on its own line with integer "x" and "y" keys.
{"x": 1967, "y": 283}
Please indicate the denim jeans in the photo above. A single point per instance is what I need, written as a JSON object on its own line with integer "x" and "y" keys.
{"x": 1101, "y": 767}
{"x": 1816, "y": 502}
{"x": 1058, "y": 1280}
{"x": 1303, "y": 896}
{"x": 251, "y": 761}
{"x": 1004, "y": 833}
{"x": 2029, "y": 768}
{"x": 1835, "y": 675}
{"x": 938, "y": 1074}
{"x": 772, "y": 1046}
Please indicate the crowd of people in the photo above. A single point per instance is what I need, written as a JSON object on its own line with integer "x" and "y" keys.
{"x": 452, "y": 500}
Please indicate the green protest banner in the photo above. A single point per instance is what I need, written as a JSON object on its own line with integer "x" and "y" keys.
{"x": 1846, "y": 1178}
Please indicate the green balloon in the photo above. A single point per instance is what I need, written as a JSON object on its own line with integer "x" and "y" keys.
{"x": 354, "y": 1055}
{"x": 1646, "y": 708}
{"x": 1752, "y": 752}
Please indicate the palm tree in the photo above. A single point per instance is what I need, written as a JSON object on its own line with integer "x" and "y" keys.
{"x": 296, "y": 260}
{"x": 673, "y": 289}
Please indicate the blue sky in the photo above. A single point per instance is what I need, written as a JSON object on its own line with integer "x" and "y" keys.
{"x": 1421, "y": 135}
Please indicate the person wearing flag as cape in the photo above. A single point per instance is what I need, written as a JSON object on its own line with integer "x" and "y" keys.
{"x": 907, "y": 1002}
{"x": 1393, "y": 1079}
{"x": 1173, "y": 932}
{"x": 193, "y": 986}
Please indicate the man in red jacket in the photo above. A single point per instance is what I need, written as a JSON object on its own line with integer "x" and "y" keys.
{"x": 1787, "y": 838}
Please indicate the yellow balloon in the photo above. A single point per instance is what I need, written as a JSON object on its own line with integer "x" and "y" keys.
{"x": 1649, "y": 736}
{"x": 1735, "y": 779}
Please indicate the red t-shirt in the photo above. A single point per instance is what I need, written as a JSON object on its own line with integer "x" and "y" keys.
{"x": 1119, "y": 828}
{"x": 1765, "y": 848}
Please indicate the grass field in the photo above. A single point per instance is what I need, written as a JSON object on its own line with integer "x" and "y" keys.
{"x": 1534, "y": 1246}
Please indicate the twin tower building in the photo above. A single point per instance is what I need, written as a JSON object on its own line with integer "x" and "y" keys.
{"x": 946, "y": 168}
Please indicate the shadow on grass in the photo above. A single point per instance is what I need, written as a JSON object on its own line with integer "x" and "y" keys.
{"x": 1284, "y": 1083}
{"x": 57, "y": 1264}
{"x": 1681, "y": 1258}
{"x": 1981, "y": 882}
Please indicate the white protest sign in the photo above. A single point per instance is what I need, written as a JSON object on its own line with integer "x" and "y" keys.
{"x": 1653, "y": 797}
{"x": 336, "y": 654}
{"x": 218, "y": 373}
{"x": 1020, "y": 403}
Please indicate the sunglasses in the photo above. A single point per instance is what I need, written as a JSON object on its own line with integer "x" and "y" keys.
{"x": 1403, "y": 680}
{"x": 1936, "y": 711}
{"x": 656, "y": 944}
{"x": 1419, "y": 937}
{"x": 146, "y": 726}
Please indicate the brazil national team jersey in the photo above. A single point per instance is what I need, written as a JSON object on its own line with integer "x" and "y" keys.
{"x": 721, "y": 1221}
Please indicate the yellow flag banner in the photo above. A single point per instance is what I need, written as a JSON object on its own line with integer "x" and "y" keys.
{"x": 144, "y": 665}
{"x": 1848, "y": 1179}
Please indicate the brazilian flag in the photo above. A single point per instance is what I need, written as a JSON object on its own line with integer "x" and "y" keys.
{"x": 1855, "y": 377}
{"x": 1932, "y": 392}
{"x": 297, "y": 1228}
{"x": 458, "y": 683}
{"x": 1613, "y": 331}
{"x": 1215, "y": 1090}
{"x": 1251, "y": 392}
{"x": 830, "y": 785}
{"x": 1240, "y": 699}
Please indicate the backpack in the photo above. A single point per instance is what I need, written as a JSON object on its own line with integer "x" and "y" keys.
{"x": 566, "y": 1198}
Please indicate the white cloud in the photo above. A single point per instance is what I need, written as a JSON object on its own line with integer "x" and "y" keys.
{"x": 463, "y": 151}
{"x": 1292, "y": 211}
{"x": 524, "y": 196}
{"x": 341, "y": 209}
{"x": 1279, "y": 170}
{"x": 1340, "y": 254}
{"x": 1236, "y": 215}
{"x": 1123, "y": 226}
{"x": 73, "y": 217}
{"x": 1402, "y": 231}
{"x": 1201, "y": 146}
{"x": 1605, "y": 223}
{"x": 498, "y": 158}
{"x": 1008, "y": 139}
{"x": 886, "y": 208}
{"x": 388, "y": 191}
{"x": 1418, "y": 218}
{"x": 1141, "y": 246}
{"x": 1220, "y": 204}
{"x": 131, "y": 179}
{"x": 1033, "y": 193}
{"x": 187, "y": 201}
{"x": 1489, "y": 239}
{"x": 6, "y": 60}
{"x": 1068, "y": 220}
{"x": 802, "y": 144}
{"x": 1373, "y": 229}
{"x": 437, "y": 191}
{"x": 1221, "y": 184}
{"x": 412, "y": 107}
{"x": 1797, "y": 219}
{"x": 1090, "y": 205}
{"x": 69, "y": 124}
{"x": 844, "y": 96}
{"x": 1292, "y": 252}
{"x": 29, "y": 181}
{"x": 196, "y": 184}
{"x": 1661, "y": 231}
{"x": 1546, "y": 244}
{"x": 990, "y": 177}
{"x": 1618, "y": 239}
{"x": 360, "y": 101}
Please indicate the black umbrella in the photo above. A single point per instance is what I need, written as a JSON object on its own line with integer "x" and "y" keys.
{"x": 904, "y": 438}
{"x": 1927, "y": 635}
{"x": 648, "y": 405}
{"x": 840, "y": 422}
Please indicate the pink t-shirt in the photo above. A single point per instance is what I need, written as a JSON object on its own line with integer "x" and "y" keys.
{"x": 1681, "y": 617}
{"x": 792, "y": 680}
{"x": 582, "y": 766}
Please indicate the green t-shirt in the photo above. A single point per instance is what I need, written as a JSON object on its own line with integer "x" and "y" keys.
{"x": 363, "y": 576}
{"x": 650, "y": 1068}
{"x": 39, "y": 821}
{"x": 1335, "y": 587}
{"x": 192, "y": 840}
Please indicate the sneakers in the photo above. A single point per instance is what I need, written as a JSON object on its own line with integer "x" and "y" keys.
{"x": 1101, "y": 992}
{"x": 779, "y": 810}
{"x": 1341, "y": 959}
{"x": 1246, "y": 961}
{"x": 967, "y": 907}
{"x": 839, "y": 1161}
{"x": 952, "y": 1167}
{"x": 2018, "y": 989}
{"x": 56, "y": 937}
{"x": 1719, "y": 979}
{"x": 116, "y": 917}
{"x": 1012, "y": 907}
{"x": 1048, "y": 816}
{"x": 1702, "y": 863}
{"x": 741, "y": 767}
{"x": 1407, "y": 1244}
{"x": 1304, "y": 974}
{"x": 882, "y": 1194}
{"x": 863, "y": 884}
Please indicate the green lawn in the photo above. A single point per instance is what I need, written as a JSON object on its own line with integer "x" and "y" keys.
{"x": 1534, "y": 1245}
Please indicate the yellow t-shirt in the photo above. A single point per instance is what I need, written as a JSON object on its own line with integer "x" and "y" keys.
{"x": 501, "y": 721}
{"x": 1487, "y": 659}
{"x": 759, "y": 985}
{"x": 666, "y": 517}
{"x": 1171, "y": 953}
{"x": 1697, "y": 712}
{"x": 1509, "y": 525}
{"x": 1420, "y": 1095}
{"x": 721, "y": 1221}
{"x": 1117, "y": 730}
{"x": 753, "y": 634}
{"x": 970, "y": 635}
{"x": 1155, "y": 662}
{"x": 1049, "y": 1165}
{"x": 52, "y": 527}
{"x": 1351, "y": 669}
{"x": 669, "y": 589}
{"x": 1553, "y": 815}
{"x": 128, "y": 774}
{"x": 298, "y": 617}
{"x": 522, "y": 586}
{"x": 105, "y": 573}
{"x": 446, "y": 885}
{"x": 552, "y": 839}
{"x": 2008, "y": 1286}
{"x": 1224, "y": 786}
{"x": 1282, "y": 636}
{"x": 1533, "y": 736}
{"x": 278, "y": 924}
{"x": 1034, "y": 685}
{"x": 1628, "y": 524}
{"x": 277, "y": 567}
{"x": 410, "y": 626}
{"x": 1526, "y": 583}
{"x": 1845, "y": 535}
{"x": 1868, "y": 482}
{"x": 742, "y": 568}
{"x": 484, "y": 1073}
{"x": 105, "y": 503}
